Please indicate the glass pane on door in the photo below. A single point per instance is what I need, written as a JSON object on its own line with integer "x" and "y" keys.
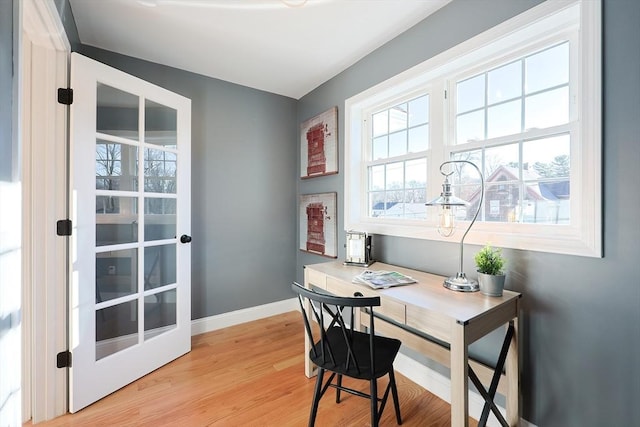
{"x": 161, "y": 125}
{"x": 159, "y": 313}
{"x": 159, "y": 218}
{"x": 116, "y": 328}
{"x": 116, "y": 166}
{"x": 116, "y": 220}
{"x": 116, "y": 274}
{"x": 160, "y": 168}
{"x": 117, "y": 112}
{"x": 159, "y": 266}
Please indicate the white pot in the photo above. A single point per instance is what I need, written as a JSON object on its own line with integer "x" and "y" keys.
{"x": 491, "y": 285}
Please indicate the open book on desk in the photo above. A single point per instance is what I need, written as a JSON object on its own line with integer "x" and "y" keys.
{"x": 382, "y": 279}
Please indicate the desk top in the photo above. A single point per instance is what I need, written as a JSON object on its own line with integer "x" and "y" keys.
{"x": 428, "y": 293}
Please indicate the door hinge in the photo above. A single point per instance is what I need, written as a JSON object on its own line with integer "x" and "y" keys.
{"x": 63, "y": 359}
{"x": 63, "y": 227}
{"x": 65, "y": 96}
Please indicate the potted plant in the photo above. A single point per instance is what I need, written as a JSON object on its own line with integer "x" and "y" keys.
{"x": 490, "y": 263}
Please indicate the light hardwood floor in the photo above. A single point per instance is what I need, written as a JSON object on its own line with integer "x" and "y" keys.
{"x": 247, "y": 375}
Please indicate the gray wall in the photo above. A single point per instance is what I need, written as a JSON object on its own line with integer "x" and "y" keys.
{"x": 243, "y": 180}
{"x": 581, "y": 316}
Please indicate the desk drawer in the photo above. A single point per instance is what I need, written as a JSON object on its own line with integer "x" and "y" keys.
{"x": 392, "y": 309}
{"x": 431, "y": 323}
{"x": 315, "y": 278}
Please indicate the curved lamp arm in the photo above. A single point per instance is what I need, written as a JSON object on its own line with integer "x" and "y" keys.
{"x": 460, "y": 282}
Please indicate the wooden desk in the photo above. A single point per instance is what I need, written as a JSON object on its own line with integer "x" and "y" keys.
{"x": 456, "y": 318}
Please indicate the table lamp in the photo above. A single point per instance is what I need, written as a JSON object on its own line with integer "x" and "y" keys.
{"x": 446, "y": 224}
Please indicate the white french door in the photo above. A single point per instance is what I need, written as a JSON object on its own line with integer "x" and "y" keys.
{"x": 130, "y": 258}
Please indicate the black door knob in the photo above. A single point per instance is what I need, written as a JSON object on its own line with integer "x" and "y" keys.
{"x": 185, "y": 239}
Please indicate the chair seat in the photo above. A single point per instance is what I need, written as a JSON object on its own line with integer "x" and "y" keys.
{"x": 385, "y": 354}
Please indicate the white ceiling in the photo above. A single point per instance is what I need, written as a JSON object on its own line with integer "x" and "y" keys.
{"x": 287, "y": 47}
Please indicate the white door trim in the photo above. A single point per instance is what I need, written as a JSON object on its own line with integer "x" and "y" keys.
{"x": 45, "y": 50}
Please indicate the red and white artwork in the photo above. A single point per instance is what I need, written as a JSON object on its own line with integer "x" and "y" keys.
{"x": 319, "y": 144}
{"x": 318, "y": 220}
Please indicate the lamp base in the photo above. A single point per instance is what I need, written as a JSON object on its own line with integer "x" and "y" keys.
{"x": 460, "y": 283}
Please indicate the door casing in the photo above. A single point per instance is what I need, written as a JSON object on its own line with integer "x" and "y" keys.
{"x": 43, "y": 65}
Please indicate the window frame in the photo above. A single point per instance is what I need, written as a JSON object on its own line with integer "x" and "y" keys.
{"x": 436, "y": 75}
{"x": 368, "y": 160}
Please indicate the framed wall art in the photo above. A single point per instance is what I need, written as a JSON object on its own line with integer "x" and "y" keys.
{"x": 319, "y": 145}
{"x": 318, "y": 224}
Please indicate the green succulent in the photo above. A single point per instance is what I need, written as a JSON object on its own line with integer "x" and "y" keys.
{"x": 490, "y": 261}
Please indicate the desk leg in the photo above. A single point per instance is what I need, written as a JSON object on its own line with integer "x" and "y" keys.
{"x": 357, "y": 320}
{"x": 459, "y": 377}
{"x": 309, "y": 368}
{"x": 512, "y": 371}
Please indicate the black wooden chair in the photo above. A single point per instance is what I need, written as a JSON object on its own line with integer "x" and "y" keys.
{"x": 342, "y": 350}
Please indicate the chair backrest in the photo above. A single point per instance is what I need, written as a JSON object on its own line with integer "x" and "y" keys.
{"x": 332, "y": 312}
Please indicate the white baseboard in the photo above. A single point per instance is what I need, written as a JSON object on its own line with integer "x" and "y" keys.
{"x": 212, "y": 323}
{"x": 440, "y": 385}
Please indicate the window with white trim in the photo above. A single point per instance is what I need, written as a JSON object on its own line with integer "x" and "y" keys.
{"x": 522, "y": 102}
{"x": 514, "y": 122}
{"x": 397, "y": 160}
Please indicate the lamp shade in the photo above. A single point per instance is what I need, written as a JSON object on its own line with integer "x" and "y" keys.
{"x": 447, "y": 200}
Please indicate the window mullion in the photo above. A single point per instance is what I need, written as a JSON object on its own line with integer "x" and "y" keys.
{"x": 440, "y": 136}
{"x": 486, "y": 106}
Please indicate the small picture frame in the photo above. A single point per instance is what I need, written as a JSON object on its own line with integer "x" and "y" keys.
{"x": 358, "y": 249}
{"x": 319, "y": 145}
{"x": 318, "y": 224}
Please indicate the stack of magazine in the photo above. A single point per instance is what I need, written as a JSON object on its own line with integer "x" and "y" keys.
{"x": 382, "y": 279}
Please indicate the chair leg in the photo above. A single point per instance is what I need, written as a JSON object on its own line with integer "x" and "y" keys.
{"x": 394, "y": 393}
{"x": 339, "y": 384}
{"x": 373, "y": 385}
{"x": 317, "y": 394}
